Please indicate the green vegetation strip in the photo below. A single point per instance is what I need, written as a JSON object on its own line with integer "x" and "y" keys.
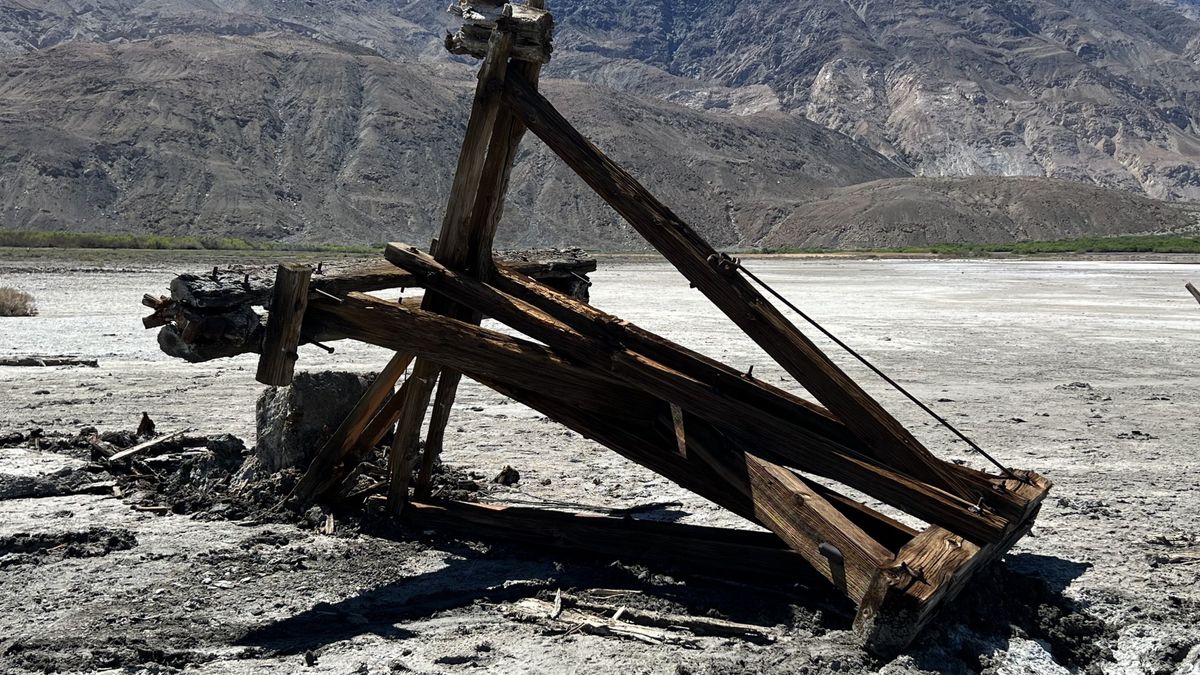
{"x": 26, "y": 239}
{"x": 1151, "y": 243}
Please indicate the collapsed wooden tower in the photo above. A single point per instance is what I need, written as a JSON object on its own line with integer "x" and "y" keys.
{"x": 722, "y": 434}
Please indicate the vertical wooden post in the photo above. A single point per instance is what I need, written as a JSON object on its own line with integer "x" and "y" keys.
{"x": 453, "y": 245}
{"x": 288, "y": 302}
{"x": 442, "y": 403}
{"x": 404, "y": 445}
{"x": 473, "y": 254}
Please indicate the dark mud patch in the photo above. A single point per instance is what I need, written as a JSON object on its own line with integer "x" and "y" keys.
{"x": 1001, "y": 604}
{"x": 58, "y": 484}
{"x": 43, "y": 547}
{"x": 84, "y": 655}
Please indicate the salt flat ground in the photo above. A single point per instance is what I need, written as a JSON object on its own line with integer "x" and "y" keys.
{"x": 1087, "y": 371}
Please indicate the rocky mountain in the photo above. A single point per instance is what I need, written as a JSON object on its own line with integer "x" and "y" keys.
{"x": 980, "y": 210}
{"x": 777, "y": 123}
{"x": 1104, "y": 92}
{"x": 284, "y": 138}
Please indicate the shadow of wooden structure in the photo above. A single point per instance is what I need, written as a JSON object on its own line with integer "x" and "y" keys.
{"x": 761, "y": 452}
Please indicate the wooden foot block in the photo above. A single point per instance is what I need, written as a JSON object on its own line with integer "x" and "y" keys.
{"x": 926, "y": 574}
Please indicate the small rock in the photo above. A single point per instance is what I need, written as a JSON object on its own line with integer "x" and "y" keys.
{"x": 145, "y": 427}
{"x": 314, "y": 517}
{"x": 507, "y": 476}
{"x": 226, "y": 445}
{"x": 310, "y": 658}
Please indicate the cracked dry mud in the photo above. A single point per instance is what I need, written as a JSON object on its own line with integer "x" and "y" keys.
{"x": 1085, "y": 370}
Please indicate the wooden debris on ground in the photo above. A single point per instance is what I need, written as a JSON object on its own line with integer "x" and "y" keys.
{"x": 763, "y": 453}
{"x": 147, "y": 446}
{"x": 46, "y": 361}
{"x": 571, "y": 620}
{"x": 698, "y": 625}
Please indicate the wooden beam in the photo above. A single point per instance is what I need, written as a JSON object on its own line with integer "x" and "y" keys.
{"x": 282, "y": 338}
{"x": 788, "y": 506}
{"x": 1192, "y": 289}
{"x": 787, "y": 441}
{"x": 903, "y": 595}
{"x": 889, "y": 441}
{"x": 404, "y": 445}
{"x": 459, "y": 227}
{"x": 598, "y": 325}
{"x": 925, "y": 575}
{"x": 1005, "y": 494}
{"x": 475, "y": 350}
{"x": 443, "y": 402}
{"x": 454, "y": 243}
{"x": 148, "y": 445}
{"x": 740, "y": 554}
{"x": 479, "y": 261}
{"x": 796, "y": 446}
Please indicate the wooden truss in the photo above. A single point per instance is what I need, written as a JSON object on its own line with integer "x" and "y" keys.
{"x": 722, "y": 434}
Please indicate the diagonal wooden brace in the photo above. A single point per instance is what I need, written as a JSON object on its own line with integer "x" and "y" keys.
{"x": 887, "y": 439}
{"x": 447, "y": 341}
{"x": 789, "y": 441}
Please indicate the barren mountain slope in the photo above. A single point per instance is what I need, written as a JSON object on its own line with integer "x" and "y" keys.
{"x": 393, "y": 28}
{"x": 920, "y": 211}
{"x": 1105, "y": 91}
{"x": 283, "y": 138}
{"x": 339, "y": 120}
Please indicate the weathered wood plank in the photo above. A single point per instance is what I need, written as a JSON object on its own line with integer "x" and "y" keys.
{"x": 740, "y": 554}
{"x": 788, "y": 506}
{"x": 443, "y": 402}
{"x": 282, "y": 338}
{"x": 925, "y": 575}
{"x": 776, "y": 440}
{"x": 889, "y": 441}
{"x": 898, "y": 604}
{"x": 408, "y": 428}
{"x": 786, "y": 441}
{"x": 486, "y": 214}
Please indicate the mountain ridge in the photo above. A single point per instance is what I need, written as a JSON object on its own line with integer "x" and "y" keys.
{"x": 339, "y": 121}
